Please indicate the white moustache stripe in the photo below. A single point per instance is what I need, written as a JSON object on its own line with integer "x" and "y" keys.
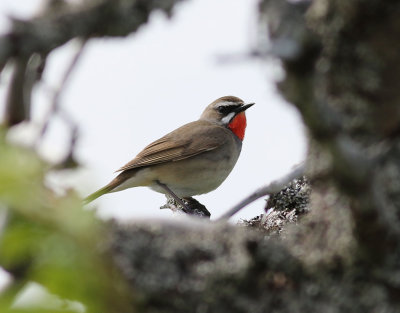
{"x": 227, "y": 119}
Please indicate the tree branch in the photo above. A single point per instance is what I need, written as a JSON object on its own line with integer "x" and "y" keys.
{"x": 86, "y": 20}
{"x": 336, "y": 81}
{"x": 271, "y": 188}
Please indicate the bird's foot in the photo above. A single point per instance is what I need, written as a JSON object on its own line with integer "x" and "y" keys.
{"x": 192, "y": 207}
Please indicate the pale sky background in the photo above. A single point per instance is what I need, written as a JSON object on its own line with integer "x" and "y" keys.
{"x": 127, "y": 92}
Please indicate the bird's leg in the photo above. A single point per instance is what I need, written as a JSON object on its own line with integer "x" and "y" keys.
{"x": 192, "y": 206}
{"x": 173, "y": 195}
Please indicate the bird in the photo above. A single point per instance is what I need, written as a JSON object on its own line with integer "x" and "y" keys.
{"x": 193, "y": 159}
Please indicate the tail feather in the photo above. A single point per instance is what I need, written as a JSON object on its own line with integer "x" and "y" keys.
{"x": 110, "y": 187}
{"x": 97, "y": 194}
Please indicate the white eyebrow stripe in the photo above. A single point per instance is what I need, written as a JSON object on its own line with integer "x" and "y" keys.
{"x": 227, "y": 119}
{"x": 226, "y": 104}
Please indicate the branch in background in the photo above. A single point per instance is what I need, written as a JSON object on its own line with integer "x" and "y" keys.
{"x": 86, "y": 20}
{"x": 16, "y": 107}
{"x": 55, "y": 109}
{"x": 56, "y": 94}
{"x": 53, "y": 28}
{"x": 27, "y": 71}
{"x": 69, "y": 160}
{"x": 271, "y": 188}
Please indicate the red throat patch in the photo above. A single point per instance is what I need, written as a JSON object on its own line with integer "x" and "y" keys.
{"x": 238, "y": 125}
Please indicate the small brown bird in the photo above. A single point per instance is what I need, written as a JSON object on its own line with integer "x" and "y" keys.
{"x": 191, "y": 160}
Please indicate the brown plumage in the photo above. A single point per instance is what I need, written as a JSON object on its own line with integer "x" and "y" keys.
{"x": 178, "y": 145}
{"x": 206, "y": 147}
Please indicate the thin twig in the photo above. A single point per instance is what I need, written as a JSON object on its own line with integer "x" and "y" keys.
{"x": 269, "y": 189}
{"x": 54, "y": 106}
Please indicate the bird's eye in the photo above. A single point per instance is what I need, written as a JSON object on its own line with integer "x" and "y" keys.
{"x": 224, "y": 109}
{"x": 220, "y": 109}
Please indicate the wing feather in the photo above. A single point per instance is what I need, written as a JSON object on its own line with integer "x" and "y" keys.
{"x": 187, "y": 141}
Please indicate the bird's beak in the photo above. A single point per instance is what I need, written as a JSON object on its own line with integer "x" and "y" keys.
{"x": 244, "y": 107}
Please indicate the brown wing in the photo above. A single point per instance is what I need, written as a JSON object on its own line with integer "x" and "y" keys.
{"x": 189, "y": 140}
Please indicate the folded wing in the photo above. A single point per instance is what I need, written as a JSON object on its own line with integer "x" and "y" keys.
{"x": 180, "y": 144}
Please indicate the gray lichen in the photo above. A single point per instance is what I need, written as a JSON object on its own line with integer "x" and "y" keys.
{"x": 282, "y": 208}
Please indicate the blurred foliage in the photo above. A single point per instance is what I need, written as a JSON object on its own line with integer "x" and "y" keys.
{"x": 50, "y": 239}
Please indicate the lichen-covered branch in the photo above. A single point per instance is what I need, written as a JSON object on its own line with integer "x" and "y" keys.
{"x": 269, "y": 189}
{"x": 341, "y": 79}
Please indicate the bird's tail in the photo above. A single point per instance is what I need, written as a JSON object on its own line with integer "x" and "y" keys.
{"x": 111, "y": 187}
{"x": 97, "y": 194}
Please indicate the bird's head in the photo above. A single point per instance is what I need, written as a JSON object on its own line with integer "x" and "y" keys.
{"x": 228, "y": 111}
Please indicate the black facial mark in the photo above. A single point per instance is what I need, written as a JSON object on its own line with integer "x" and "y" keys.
{"x": 226, "y": 109}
